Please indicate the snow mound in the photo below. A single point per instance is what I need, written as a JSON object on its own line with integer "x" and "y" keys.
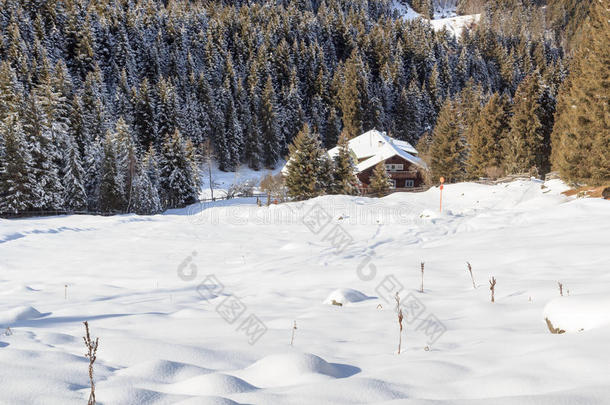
{"x": 19, "y": 289}
{"x": 292, "y": 368}
{"x": 21, "y": 313}
{"x": 211, "y": 384}
{"x": 126, "y": 394}
{"x": 207, "y": 400}
{"x": 345, "y": 296}
{"x": 163, "y": 371}
{"x": 578, "y": 312}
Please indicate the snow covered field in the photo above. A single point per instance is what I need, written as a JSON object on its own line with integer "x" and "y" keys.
{"x": 197, "y": 306}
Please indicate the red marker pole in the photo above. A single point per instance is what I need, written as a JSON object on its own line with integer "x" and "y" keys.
{"x": 442, "y": 179}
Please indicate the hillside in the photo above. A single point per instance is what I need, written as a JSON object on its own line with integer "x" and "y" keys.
{"x": 141, "y": 283}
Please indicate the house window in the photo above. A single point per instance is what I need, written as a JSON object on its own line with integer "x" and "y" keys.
{"x": 409, "y": 183}
{"x": 392, "y": 183}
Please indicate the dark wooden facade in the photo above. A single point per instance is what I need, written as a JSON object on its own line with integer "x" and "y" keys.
{"x": 409, "y": 177}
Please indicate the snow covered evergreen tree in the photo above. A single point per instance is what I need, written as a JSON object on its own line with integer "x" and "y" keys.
{"x": 18, "y": 185}
{"x": 111, "y": 188}
{"x": 73, "y": 181}
{"x": 177, "y": 181}
{"x": 269, "y": 126}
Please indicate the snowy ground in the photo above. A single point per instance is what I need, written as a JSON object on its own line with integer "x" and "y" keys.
{"x": 222, "y": 181}
{"x": 444, "y": 17}
{"x": 157, "y": 290}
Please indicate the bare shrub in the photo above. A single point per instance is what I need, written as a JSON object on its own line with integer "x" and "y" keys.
{"x": 399, "y": 311}
{"x": 92, "y": 356}
{"x": 294, "y": 327}
{"x": 273, "y": 186}
{"x": 471, "y": 276}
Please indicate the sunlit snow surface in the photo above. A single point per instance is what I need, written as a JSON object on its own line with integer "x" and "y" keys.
{"x": 144, "y": 285}
{"x": 443, "y": 17}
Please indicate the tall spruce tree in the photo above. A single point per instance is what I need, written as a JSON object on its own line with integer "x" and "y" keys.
{"x": 178, "y": 187}
{"x": 447, "y": 147}
{"x": 581, "y": 135}
{"x": 344, "y": 178}
{"x": 527, "y": 143}
{"x": 73, "y": 180}
{"x": 305, "y": 166}
{"x": 18, "y": 188}
{"x": 486, "y": 138}
{"x": 351, "y": 94}
{"x": 269, "y": 126}
{"x": 111, "y": 188}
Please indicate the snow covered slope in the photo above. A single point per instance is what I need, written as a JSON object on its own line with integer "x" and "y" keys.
{"x": 455, "y": 25}
{"x": 176, "y": 300}
{"x": 444, "y": 17}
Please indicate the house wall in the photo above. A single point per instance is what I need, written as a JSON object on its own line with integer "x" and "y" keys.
{"x": 409, "y": 172}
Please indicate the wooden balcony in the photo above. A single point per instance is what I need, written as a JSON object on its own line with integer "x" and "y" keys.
{"x": 405, "y": 174}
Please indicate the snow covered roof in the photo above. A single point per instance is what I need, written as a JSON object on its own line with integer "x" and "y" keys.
{"x": 373, "y": 147}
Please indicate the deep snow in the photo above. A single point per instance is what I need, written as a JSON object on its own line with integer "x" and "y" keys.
{"x": 156, "y": 290}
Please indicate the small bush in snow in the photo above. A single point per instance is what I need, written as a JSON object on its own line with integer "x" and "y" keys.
{"x": 492, "y": 287}
{"x": 399, "y": 310}
{"x": 91, "y": 355}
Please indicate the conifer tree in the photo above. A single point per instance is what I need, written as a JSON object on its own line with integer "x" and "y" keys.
{"x": 127, "y": 160}
{"x": 145, "y": 199}
{"x": 73, "y": 181}
{"x": 526, "y": 144}
{"x": 269, "y": 126}
{"x": 447, "y": 147}
{"x": 350, "y": 95}
{"x": 487, "y": 136}
{"x": 17, "y": 181}
{"x": 177, "y": 184}
{"x": 111, "y": 198}
{"x": 333, "y": 129}
{"x": 92, "y": 164}
{"x": 344, "y": 177}
{"x": 150, "y": 165}
{"x": 581, "y": 140}
{"x": 38, "y": 127}
{"x": 144, "y": 123}
{"x": 304, "y": 167}
{"x": 10, "y": 91}
{"x": 380, "y": 180}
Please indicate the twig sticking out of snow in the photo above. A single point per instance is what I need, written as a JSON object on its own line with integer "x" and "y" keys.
{"x": 553, "y": 329}
{"x": 422, "y": 277}
{"x": 399, "y": 310}
{"x": 471, "y": 276}
{"x": 92, "y": 356}
{"x": 492, "y": 287}
{"x": 294, "y": 327}
{"x": 560, "y": 288}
